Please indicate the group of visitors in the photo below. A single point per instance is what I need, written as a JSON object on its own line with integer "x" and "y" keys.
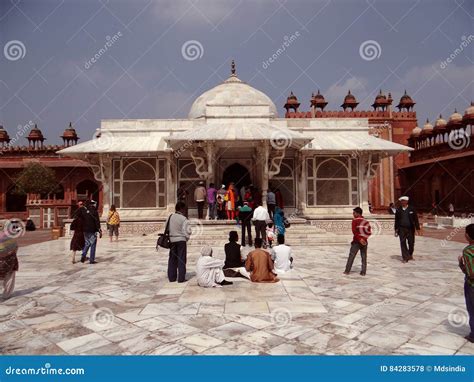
{"x": 225, "y": 203}
{"x": 259, "y": 265}
{"x": 86, "y": 227}
{"x": 209, "y": 270}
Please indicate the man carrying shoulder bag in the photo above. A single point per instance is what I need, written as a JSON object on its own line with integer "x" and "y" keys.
{"x": 179, "y": 233}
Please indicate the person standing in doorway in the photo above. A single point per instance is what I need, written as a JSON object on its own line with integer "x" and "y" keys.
{"x": 91, "y": 227}
{"x": 406, "y": 224}
{"x": 200, "y": 198}
{"x": 451, "y": 209}
{"x": 279, "y": 199}
{"x": 361, "y": 230}
{"x": 230, "y": 202}
{"x": 211, "y": 201}
{"x": 260, "y": 217}
{"x": 271, "y": 203}
{"x": 182, "y": 196}
{"x": 179, "y": 231}
{"x": 113, "y": 223}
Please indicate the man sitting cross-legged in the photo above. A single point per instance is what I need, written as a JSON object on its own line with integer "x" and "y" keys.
{"x": 260, "y": 265}
{"x": 209, "y": 270}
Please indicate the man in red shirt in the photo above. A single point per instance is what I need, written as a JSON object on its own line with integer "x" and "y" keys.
{"x": 361, "y": 230}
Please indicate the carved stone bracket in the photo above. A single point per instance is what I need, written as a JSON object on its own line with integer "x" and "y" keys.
{"x": 275, "y": 162}
{"x": 203, "y": 159}
{"x": 372, "y": 165}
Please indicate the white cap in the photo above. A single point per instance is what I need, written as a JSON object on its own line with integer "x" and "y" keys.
{"x": 206, "y": 251}
{"x": 404, "y": 198}
{"x": 223, "y": 186}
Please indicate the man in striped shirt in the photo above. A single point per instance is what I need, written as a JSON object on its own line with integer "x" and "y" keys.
{"x": 466, "y": 263}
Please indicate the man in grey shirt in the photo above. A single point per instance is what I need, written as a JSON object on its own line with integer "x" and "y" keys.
{"x": 180, "y": 232}
{"x": 271, "y": 203}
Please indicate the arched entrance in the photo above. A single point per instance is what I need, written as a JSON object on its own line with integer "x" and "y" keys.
{"x": 15, "y": 202}
{"x": 87, "y": 189}
{"x": 238, "y": 174}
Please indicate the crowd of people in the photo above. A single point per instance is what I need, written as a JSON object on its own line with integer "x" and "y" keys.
{"x": 270, "y": 256}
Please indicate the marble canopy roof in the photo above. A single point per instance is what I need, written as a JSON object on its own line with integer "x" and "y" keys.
{"x": 241, "y": 131}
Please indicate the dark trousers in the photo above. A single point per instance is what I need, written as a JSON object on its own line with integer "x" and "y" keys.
{"x": 90, "y": 239}
{"x": 469, "y": 296}
{"x": 271, "y": 210}
{"x": 177, "y": 262}
{"x": 407, "y": 242}
{"x": 212, "y": 210}
{"x": 260, "y": 230}
{"x": 200, "y": 206}
{"x": 246, "y": 225}
{"x": 355, "y": 247}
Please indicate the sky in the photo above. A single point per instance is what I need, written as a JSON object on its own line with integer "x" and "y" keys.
{"x": 81, "y": 61}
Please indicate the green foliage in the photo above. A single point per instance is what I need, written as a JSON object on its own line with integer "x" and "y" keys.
{"x": 36, "y": 179}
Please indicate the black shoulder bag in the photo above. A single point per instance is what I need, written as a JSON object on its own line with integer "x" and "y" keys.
{"x": 164, "y": 238}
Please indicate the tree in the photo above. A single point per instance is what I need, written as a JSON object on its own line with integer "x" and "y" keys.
{"x": 36, "y": 179}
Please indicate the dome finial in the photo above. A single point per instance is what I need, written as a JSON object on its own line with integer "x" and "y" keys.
{"x": 232, "y": 68}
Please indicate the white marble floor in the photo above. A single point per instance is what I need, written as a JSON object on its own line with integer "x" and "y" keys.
{"x": 125, "y": 305}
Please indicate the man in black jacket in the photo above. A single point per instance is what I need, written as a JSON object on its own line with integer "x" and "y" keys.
{"x": 245, "y": 217}
{"x": 91, "y": 228}
{"x": 406, "y": 224}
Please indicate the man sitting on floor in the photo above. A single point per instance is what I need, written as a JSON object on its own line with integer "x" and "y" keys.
{"x": 209, "y": 270}
{"x": 281, "y": 255}
{"x": 260, "y": 265}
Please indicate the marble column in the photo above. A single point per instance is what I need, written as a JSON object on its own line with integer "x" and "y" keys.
{"x": 263, "y": 153}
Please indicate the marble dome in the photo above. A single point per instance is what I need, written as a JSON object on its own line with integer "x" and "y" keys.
{"x": 232, "y": 92}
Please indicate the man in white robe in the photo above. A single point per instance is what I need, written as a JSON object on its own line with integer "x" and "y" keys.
{"x": 209, "y": 270}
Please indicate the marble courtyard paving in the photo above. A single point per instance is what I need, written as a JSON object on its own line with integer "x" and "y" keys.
{"x": 124, "y": 305}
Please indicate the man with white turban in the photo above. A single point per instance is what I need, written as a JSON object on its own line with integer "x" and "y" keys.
{"x": 209, "y": 270}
